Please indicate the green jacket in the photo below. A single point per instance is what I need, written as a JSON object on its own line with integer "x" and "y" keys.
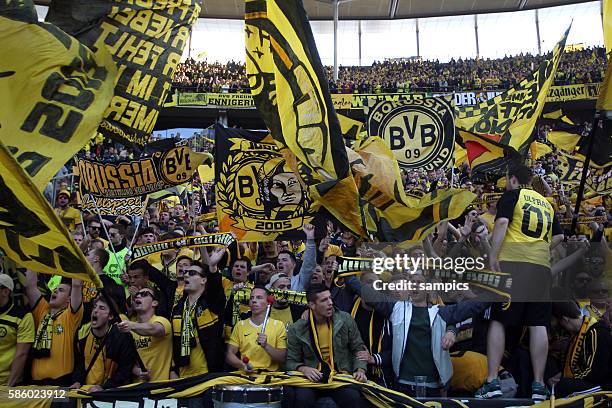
{"x": 346, "y": 338}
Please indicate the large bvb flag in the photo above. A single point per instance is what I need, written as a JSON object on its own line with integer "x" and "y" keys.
{"x": 146, "y": 40}
{"x": 290, "y": 91}
{"x": 53, "y": 89}
{"x": 501, "y": 127}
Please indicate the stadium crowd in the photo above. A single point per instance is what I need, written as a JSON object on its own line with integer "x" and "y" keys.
{"x": 173, "y": 314}
{"x": 576, "y": 67}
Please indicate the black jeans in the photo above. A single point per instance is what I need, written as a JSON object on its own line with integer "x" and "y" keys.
{"x": 348, "y": 396}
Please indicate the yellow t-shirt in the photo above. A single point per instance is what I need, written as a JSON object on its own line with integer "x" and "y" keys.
{"x": 65, "y": 326}
{"x": 71, "y": 217}
{"x": 283, "y": 315}
{"x": 244, "y": 337}
{"x": 530, "y": 227}
{"x": 324, "y": 336}
{"x": 16, "y": 326}
{"x": 156, "y": 352}
{"x": 102, "y": 369}
{"x": 197, "y": 362}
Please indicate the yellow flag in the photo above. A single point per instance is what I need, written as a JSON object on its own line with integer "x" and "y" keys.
{"x": 604, "y": 101}
{"x": 539, "y": 149}
{"x": 361, "y": 187}
{"x": 607, "y": 23}
{"x": 563, "y": 140}
{"x": 54, "y": 93}
{"x": 31, "y": 234}
{"x": 509, "y": 118}
{"x": 207, "y": 173}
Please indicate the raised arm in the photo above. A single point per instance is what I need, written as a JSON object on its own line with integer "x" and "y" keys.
{"x": 31, "y": 287}
{"x": 76, "y": 294}
{"x": 309, "y": 260}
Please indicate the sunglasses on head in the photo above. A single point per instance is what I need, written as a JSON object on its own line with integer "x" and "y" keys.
{"x": 193, "y": 272}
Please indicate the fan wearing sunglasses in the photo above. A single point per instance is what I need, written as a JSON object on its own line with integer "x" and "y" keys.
{"x": 197, "y": 322}
{"x": 152, "y": 337}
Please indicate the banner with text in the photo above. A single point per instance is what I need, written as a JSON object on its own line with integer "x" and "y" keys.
{"x": 146, "y": 40}
{"x": 54, "y": 91}
{"x": 564, "y": 93}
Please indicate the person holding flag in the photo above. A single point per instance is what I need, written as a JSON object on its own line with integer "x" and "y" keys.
{"x": 264, "y": 344}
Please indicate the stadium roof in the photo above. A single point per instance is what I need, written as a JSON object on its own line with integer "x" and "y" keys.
{"x": 383, "y": 9}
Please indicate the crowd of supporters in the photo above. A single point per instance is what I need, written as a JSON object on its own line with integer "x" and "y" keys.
{"x": 174, "y": 314}
{"x": 576, "y": 67}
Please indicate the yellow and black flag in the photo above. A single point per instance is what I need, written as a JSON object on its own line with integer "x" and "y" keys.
{"x": 146, "y": 40}
{"x": 565, "y": 134}
{"x": 290, "y": 91}
{"x": 31, "y": 234}
{"x": 54, "y": 91}
{"x": 508, "y": 120}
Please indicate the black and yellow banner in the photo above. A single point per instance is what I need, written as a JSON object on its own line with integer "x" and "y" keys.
{"x": 142, "y": 251}
{"x": 506, "y": 123}
{"x": 420, "y": 131}
{"x": 259, "y": 198}
{"x": 561, "y": 93}
{"x": 139, "y": 177}
{"x": 54, "y": 91}
{"x": 361, "y": 186}
{"x": 146, "y": 40}
{"x": 31, "y": 234}
{"x": 599, "y": 180}
{"x": 160, "y": 394}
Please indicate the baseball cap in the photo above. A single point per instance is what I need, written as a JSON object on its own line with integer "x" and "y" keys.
{"x": 7, "y": 282}
{"x": 65, "y": 192}
{"x": 275, "y": 278}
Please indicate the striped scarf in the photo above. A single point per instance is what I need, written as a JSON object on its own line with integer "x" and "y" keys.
{"x": 44, "y": 336}
{"x": 188, "y": 335}
{"x": 327, "y": 370}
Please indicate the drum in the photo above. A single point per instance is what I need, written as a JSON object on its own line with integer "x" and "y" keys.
{"x": 246, "y": 395}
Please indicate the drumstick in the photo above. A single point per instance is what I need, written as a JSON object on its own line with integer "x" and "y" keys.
{"x": 265, "y": 322}
{"x": 245, "y": 360}
{"x": 552, "y": 396}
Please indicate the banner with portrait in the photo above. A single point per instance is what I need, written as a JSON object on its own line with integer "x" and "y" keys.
{"x": 420, "y": 131}
{"x": 259, "y": 198}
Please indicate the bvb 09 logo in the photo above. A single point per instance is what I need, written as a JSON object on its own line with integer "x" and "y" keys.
{"x": 175, "y": 165}
{"x": 416, "y": 134}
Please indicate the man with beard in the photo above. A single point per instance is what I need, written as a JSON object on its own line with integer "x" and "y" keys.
{"x": 266, "y": 347}
{"x": 197, "y": 322}
{"x": 152, "y": 337}
{"x": 103, "y": 355}
{"x": 93, "y": 232}
{"x": 115, "y": 267}
{"x": 335, "y": 340}
{"x": 57, "y": 322}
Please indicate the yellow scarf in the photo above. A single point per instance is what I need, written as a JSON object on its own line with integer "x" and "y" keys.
{"x": 326, "y": 368}
{"x": 572, "y": 368}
